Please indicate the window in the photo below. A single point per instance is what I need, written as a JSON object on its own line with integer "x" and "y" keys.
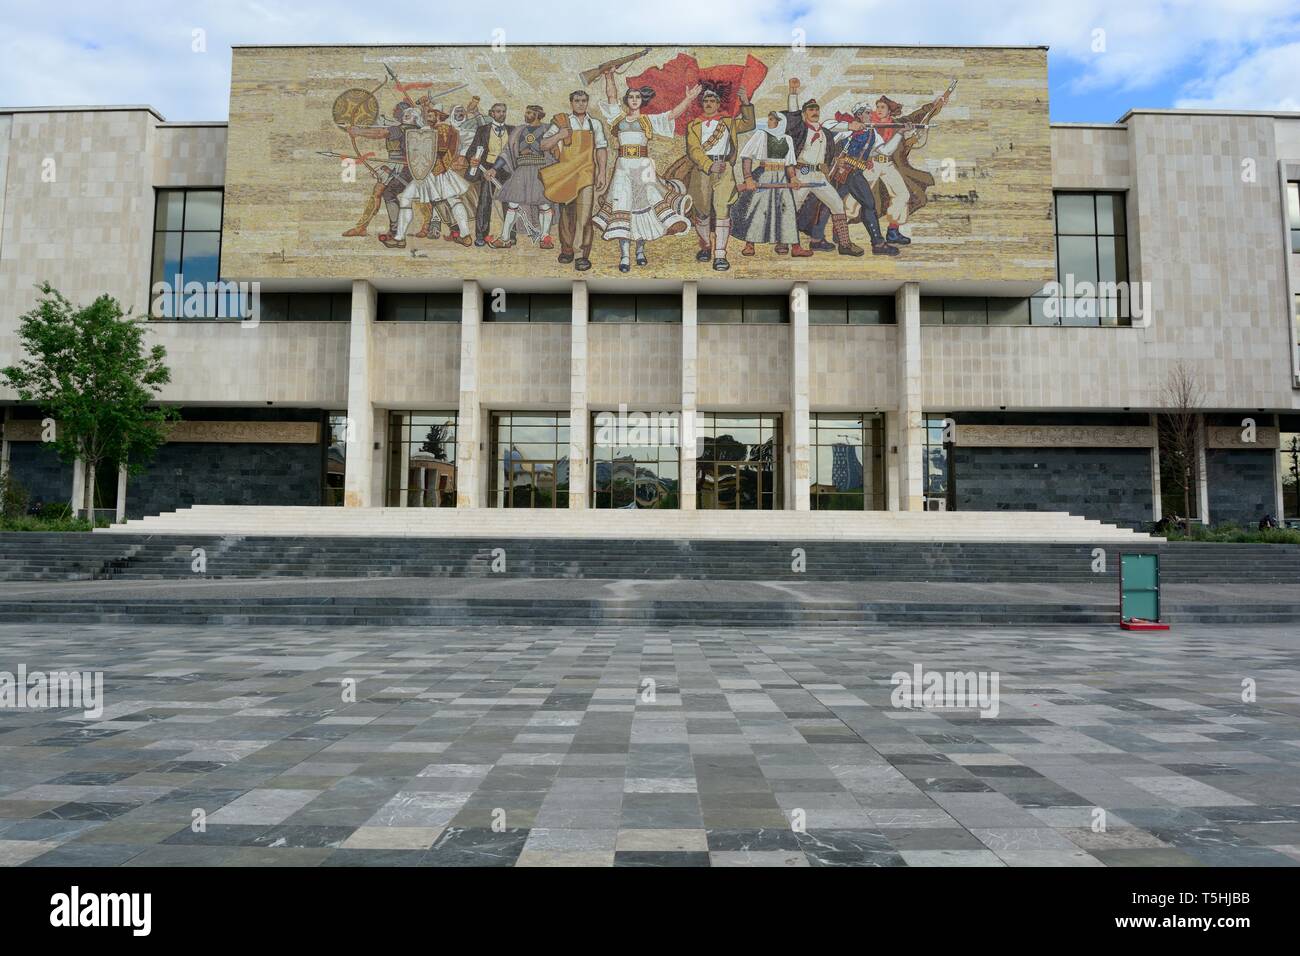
{"x": 851, "y": 310}
{"x": 187, "y": 244}
{"x": 1289, "y": 450}
{"x": 1293, "y": 213}
{"x": 635, "y": 475}
{"x": 336, "y": 458}
{"x": 739, "y": 462}
{"x": 305, "y": 306}
{"x": 527, "y": 307}
{"x": 422, "y": 459}
{"x": 848, "y": 462}
{"x": 1091, "y": 259}
{"x": 605, "y": 307}
{"x": 937, "y": 484}
{"x": 966, "y": 310}
{"x": 530, "y": 454}
{"x": 419, "y": 307}
{"x": 749, "y": 309}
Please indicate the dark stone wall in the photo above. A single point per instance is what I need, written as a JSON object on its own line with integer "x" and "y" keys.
{"x": 1108, "y": 484}
{"x": 36, "y": 466}
{"x": 1241, "y": 485}
{"x": 226, "y": 474}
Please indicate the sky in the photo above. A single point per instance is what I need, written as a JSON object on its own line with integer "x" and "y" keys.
{"x": 1106, "y": 56}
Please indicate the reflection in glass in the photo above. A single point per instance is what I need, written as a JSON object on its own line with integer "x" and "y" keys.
{"x": 848, "y": 462}
{"x": 738, "y": 462}
{"x": 421, "y": 459}
{"x": 530, "y": 454}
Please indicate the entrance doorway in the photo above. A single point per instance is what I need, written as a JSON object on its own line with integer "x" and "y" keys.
{"x": 738, "y": 465}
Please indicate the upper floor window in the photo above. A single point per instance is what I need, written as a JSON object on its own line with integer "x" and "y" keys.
{"x": 187, "y": 241}
{"x": 305, "y": 306}
{"x": 501, "y": 306}
{"x": 1293, "y": 213}
{"x": 419, "y": 307}
{"x": 749, "y": 309}
{"x": 851, "y": 310}
{"x": 1091, "y": 259}
{"x": 975, "y": 310}
{"x": 607, "y": 307}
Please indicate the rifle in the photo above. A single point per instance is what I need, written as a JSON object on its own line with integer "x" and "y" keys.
{"x": 609, "y": 66}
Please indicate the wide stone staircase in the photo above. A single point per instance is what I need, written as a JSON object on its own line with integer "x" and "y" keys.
{"x": 237, "y": 566}
{"x": 623, "y": 524}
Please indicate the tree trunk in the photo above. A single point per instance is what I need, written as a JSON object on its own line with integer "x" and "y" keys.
{"x": 90, "y": 492}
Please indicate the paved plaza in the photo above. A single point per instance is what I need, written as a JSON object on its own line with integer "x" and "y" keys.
{"x": 535, "y": 746}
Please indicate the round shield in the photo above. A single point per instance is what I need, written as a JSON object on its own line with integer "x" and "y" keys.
{"x": 356, "y": 107}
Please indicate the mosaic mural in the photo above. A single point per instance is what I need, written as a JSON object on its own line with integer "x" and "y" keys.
{"x": 530, "y": 161}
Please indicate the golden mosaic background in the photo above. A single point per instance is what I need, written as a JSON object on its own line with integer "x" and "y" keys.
{"x": 286, "y": 207}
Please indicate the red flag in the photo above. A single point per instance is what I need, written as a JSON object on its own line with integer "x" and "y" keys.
{"x": 671, "y": 81}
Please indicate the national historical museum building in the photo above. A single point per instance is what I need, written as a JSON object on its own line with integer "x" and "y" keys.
{"x": 768, "y": 278}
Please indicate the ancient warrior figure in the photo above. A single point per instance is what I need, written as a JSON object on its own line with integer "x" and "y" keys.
{"x": 519, "y": 169}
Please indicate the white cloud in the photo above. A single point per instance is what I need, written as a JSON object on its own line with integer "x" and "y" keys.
{"x": 1267, "y": 80}
{"x": 133, "y": 51}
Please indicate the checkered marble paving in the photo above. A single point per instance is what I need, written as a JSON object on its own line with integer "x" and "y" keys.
{"x": 549, "y": 747}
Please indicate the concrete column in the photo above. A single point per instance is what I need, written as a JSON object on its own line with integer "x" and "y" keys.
{"x": 911, "y": 431}
{"x": 800, "y": 441}
{"x": 893, "y": 456}
{"x": 78, "y": 486}
{"x": 4, "y": 444}
{"x": 1202, "y": 472}
{"x": 470, "y": 434}
{"x": 579, "y": 444}
{"x": 358, "y": 477}
{"x": 1157, "y": 506}
{"x": 690, "y": 386}
{"x": 121, "y": 493}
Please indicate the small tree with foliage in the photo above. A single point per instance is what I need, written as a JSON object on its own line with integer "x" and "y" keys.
{"x": 89, "y": 369}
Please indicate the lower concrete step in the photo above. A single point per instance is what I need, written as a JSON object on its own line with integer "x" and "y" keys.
{"x": 432, "y": 612}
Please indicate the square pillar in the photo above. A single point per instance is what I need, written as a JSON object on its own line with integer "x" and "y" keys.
{"x": 1157, "y": 507}
{"x": 4, "y": 444}
{"x": 911, "y": 430}
{"x": 798, "y": 428}
{"x": 121, "y": 493}
{"x": 579, "y": 446}
{"x": 690, "y": 385}
{"x": 470, "y": 486}
{"x": 358, "y": 476}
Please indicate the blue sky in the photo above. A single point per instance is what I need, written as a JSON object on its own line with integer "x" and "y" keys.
{"x": 1106, "y": 55}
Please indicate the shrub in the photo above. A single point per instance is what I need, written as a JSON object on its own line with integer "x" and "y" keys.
{"x": 13, "y": 497}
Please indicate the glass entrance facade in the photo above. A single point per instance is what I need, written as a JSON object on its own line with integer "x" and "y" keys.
{"x": 848, "y": 462}
{"x": 530, "y": 455}
{"x": 421, "y": 460}
{"x": 738, "y": 464}
{"x": 1289, "y": 465}
{"x": 628, "y": 474}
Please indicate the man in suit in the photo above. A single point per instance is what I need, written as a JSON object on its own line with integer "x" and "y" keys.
{"x": 484, "y": 150}
{"x": 712, "y": 142}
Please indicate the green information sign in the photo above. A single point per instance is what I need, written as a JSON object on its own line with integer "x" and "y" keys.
{"x": 1139, "y": 587}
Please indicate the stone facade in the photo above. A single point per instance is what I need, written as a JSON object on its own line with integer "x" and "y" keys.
{"x": 1112, "y": 485}
{"x": 1241, "y": 484}
{"x": 184, "y": 474}
{"x": 1054, "y": 418}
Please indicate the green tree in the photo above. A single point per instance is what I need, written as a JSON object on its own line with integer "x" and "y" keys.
{"x": 89, "y": 369}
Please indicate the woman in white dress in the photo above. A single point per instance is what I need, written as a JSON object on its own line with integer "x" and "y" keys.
{"x": 639, "y": 205}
